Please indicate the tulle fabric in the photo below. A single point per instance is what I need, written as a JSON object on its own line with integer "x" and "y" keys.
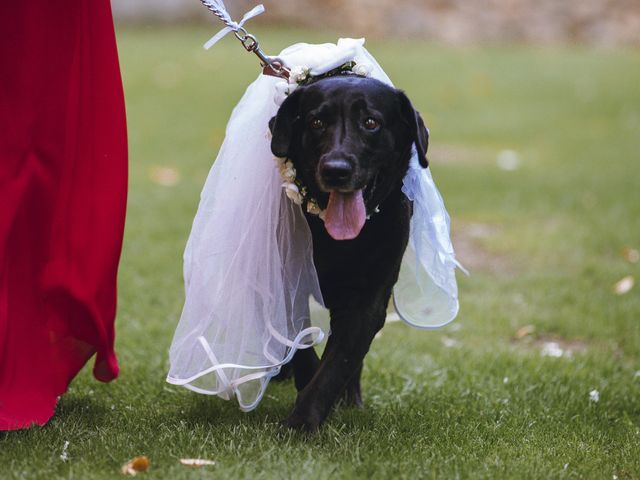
{"x": 248, "y": 264}
{"x": 248, "y": 267}
{"x": 426, "y": 294}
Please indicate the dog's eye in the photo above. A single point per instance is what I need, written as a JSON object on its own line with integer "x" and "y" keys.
{"x": 371, "y": 124}
{"x": 317, "y": 124}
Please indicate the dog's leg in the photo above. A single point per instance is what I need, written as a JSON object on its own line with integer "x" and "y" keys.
{"x": 305, "y": 364}
{"x": 286, "y": 371}
{"x": 352, "y": 394}
{"x": 352, "y": 331}
{"x": 302, "y": 367}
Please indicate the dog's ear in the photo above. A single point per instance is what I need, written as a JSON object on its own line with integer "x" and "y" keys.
{"x": 281, "y": 125}
{"x": 418, "y": 131}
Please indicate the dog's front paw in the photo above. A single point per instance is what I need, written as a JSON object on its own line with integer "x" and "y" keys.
{"x": 309, "y": 423}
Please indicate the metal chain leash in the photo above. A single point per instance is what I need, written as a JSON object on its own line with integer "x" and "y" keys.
{"x": 270, "y": 65}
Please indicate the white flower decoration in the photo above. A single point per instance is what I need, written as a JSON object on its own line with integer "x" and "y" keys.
{"x": 298, "y": 74}
{"x": 363, "y": 69}
{"x": 292, "y": 191}
{"x": 287, "y": 172}
{"x": 295, "y": 191}
{"x": 313, "y": 208}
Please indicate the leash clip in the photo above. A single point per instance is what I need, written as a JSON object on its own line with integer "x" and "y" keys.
{"x": 270, "y": 66}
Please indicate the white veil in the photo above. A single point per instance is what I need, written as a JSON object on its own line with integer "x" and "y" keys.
{"x": 248, "y": 264}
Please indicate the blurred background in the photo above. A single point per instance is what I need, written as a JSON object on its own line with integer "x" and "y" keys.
{"x": 592, "y": 22}
{"x": 534, "y": 111}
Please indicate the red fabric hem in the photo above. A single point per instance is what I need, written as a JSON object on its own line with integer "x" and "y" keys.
{"x": 63, "y": 178}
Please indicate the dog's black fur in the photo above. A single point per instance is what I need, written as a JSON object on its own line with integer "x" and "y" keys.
{"x": 324, "y": 128}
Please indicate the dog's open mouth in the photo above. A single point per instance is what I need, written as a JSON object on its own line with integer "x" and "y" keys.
{"x": 345, "y": 214}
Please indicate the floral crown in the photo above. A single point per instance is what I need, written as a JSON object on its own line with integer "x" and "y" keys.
{"x": 300, "y": 76}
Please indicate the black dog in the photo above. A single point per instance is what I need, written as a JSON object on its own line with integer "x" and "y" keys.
{"x": 350, "y": 140}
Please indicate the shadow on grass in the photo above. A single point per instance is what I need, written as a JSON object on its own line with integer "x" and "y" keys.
{"x": 72, "y": 412}
{"x": 209, "y": 413}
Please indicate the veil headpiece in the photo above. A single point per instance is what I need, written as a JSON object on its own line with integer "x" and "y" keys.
{"x": 248, "y": 264}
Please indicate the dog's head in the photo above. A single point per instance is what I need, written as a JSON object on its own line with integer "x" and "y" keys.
{"x": 350, "y": 140}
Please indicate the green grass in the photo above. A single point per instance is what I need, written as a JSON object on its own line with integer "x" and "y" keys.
{"x": 547, "y": 255}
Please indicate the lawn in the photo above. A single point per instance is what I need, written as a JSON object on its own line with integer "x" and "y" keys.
{"x": 537, "y": 154}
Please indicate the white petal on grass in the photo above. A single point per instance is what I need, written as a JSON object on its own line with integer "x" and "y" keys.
{"x": 551, "y": 349}
{"x": 196, "y": 462}
{"x": 505, "y": 380}
{"x": 594, "y": 396}
{"x": 508, "y": 160}
{"x": 64, "y": 456}
{"x": 624, "y": 285}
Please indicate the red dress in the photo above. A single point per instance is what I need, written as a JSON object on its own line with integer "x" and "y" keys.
{"x": 63, "y": 186}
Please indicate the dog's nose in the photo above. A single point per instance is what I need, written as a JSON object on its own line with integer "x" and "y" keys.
{"x": 336, "y": 171}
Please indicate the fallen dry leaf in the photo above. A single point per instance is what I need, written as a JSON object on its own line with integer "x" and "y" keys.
{"x": 165, "y": 176}
{"x": 624, "y": 285}
{"x": 196, "y": 462}
{"x": 525, "y": 331}
{"x": 136, "y": 465}
{"x": 508, "y": 160}
{"x": 631, "y": 255}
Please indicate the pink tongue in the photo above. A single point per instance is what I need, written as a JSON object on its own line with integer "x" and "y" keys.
{"x": 345, "y": 215}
